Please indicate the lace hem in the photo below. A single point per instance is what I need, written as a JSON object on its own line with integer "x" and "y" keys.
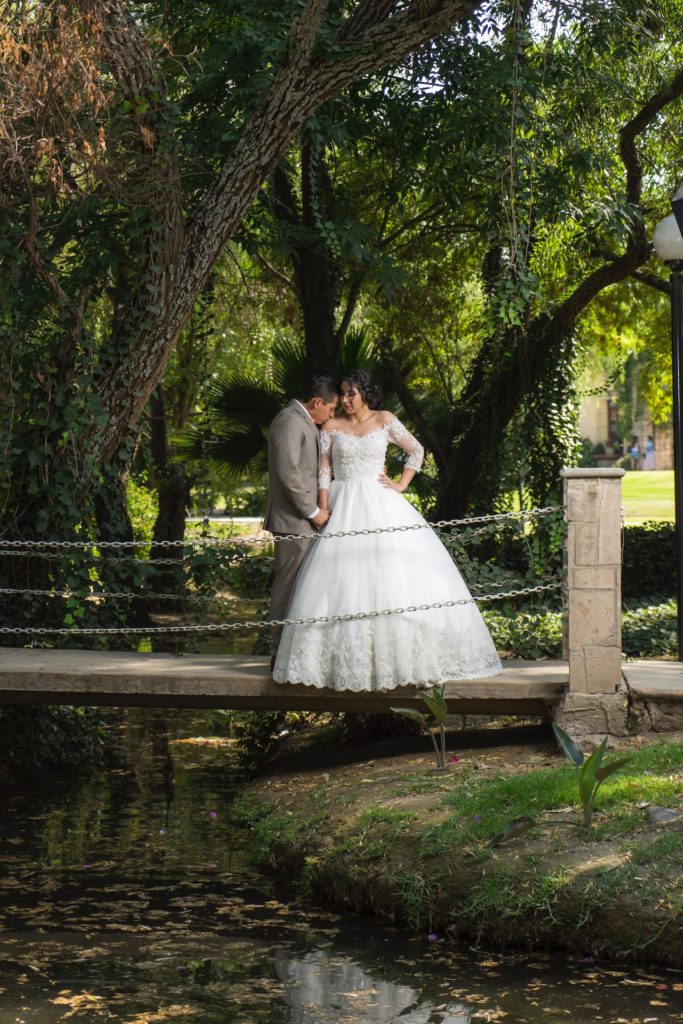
{"x": 364, "y": 657}
{"x": 494, "y": 669}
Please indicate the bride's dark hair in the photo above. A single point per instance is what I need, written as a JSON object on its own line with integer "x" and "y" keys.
{"x": 370, "y": 392}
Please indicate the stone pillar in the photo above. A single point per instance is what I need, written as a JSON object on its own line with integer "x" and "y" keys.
{"x": 592, "y": 615}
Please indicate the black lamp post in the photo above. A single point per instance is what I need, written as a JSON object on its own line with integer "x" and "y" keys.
{"x": 668, "y": 243}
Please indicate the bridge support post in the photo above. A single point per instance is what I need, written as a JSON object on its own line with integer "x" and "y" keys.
{"x": 592, "y": 600}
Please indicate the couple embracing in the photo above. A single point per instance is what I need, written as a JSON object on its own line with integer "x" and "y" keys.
{"x": 327, "y": 476}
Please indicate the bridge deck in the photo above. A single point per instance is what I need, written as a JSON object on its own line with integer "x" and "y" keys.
{"x": 123, "y": 679}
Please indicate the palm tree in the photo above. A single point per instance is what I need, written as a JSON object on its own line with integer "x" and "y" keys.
{"x": 233, "y": 432}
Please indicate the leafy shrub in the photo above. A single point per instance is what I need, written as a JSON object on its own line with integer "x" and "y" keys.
{"x": 527, "y": 635}
{"x": 649, "y": 560}
{"x": 650, "y": 631}
{"x": 254, "y": 576}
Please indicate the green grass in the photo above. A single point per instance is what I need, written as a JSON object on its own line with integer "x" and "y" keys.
{"x": 482, "y": 806}
{"x": 648, "y": 496}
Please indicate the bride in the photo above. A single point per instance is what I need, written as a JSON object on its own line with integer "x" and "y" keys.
{"x": 342, "y": 575}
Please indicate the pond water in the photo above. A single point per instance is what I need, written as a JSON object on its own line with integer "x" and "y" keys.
{"x": 126, "y": 896}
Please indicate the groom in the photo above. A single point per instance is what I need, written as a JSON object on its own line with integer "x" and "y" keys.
{"x": 293, "y": 454}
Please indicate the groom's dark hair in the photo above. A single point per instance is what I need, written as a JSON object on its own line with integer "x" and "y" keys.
{"x": 320, "y": 386}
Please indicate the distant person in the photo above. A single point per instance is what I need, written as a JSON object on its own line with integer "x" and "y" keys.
{"x": 649, "y": 462}
{"x": 293, "y": 457}
{"x": 634, "y": 453}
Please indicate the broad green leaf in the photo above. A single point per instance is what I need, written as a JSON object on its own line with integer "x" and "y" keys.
{"x": 437, "y": 705}
{"x": 570, "y": 748}
{"x": 608, "y": 769}
{"x": 413, "y": 714}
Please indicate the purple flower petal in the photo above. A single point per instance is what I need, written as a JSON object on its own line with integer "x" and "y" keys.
{"x": 433, "y": 937}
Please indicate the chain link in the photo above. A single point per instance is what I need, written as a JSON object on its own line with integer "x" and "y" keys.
{"x": 266, "y": 538}
{"x": 92, "y": 594}
{"x": 262, "y": 623}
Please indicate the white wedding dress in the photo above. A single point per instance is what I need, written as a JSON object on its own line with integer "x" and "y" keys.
{"x": 379, "y": 571}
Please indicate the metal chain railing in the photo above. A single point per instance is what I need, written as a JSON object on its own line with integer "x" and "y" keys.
{"x": 262, "y": 623}
{"x": 12, "y": 547}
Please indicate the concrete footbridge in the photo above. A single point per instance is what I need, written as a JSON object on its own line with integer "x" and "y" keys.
{"x": 123, "y": 679}
{"x": 590, "y": 692}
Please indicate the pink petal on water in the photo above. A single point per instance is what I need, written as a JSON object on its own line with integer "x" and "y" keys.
{"x": 213, "y": 815}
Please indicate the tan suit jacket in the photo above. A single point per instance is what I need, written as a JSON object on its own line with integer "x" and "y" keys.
{"x": 293, "y": 454}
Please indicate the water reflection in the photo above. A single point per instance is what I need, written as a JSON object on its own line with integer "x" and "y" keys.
{"x": 126, "y": 898}
{"x": 321, "y": 987}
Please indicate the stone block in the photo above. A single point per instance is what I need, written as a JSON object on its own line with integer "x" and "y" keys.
{"x": 592, "y": 620}
{"x": 592, "y": 577}
{"x": 582, "y": 500}
{"x": 590, "y": 716}
{"x": 603, "y": 669}
{"x": 577, "y": 671}
{"x": 659, "y": 714}
{"x": 609, "y": 541}
{"x": 586, "y": 542}
{"x": 610, "y": 500}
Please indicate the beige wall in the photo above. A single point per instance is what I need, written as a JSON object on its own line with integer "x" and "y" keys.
{"x": 593, "y": 419}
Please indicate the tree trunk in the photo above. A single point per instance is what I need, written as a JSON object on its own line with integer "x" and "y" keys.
{"x": 173, "y": 490}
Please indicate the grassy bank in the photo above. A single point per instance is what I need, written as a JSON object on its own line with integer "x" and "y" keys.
{"x": 397, "y": 839}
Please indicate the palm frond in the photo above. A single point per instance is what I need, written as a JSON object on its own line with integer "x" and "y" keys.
{"x": 289, "y": 370}
{"x": 357, "y": 352}
{"x": 243, "y": 400}
{"x": 233, "y": 450}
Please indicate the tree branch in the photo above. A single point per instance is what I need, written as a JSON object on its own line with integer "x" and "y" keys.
{"x": 366, "y": 16}
{"x": 297, "y": 89}
{"x": 275, "y": 272}
{"x": 652, "y": 281}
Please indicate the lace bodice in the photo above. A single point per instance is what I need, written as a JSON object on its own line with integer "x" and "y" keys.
{"x": 347, "y": 456}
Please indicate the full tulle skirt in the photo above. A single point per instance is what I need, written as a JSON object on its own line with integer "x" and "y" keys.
{"x": 376, "y": 572}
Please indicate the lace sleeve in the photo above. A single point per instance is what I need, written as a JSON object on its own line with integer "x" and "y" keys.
{"x": 405, "y": 440}
{"x": 325, "y": 468}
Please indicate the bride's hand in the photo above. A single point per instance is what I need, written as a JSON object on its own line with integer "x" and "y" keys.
{"x": 386, "y": 481}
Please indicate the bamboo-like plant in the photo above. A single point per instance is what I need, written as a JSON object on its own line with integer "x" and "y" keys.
{"x": 590, "y": 770}
{"x": 438, "y": 712}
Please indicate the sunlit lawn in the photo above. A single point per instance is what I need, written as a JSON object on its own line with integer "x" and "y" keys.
{"x": 648, "y": 495}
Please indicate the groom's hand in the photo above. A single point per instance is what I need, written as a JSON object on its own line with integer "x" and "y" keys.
{"x": 321, "y": 518}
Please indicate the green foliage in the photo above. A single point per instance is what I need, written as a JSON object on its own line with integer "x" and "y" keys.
{"x": 650, "y": 631}
{"x": 649, "y": 564}
{"x": 527, "y": 635}
{"x": 590, "y": 770}
{"x": 253, "y": 577}
{"x": 143, "y": 508}
{"x": 58, "y": 739}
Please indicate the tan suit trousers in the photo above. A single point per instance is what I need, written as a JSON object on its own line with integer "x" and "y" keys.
{"x": 289, "y": 554}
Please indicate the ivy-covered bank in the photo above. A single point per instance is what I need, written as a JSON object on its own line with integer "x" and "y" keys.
{"x": 395, "y": 838}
